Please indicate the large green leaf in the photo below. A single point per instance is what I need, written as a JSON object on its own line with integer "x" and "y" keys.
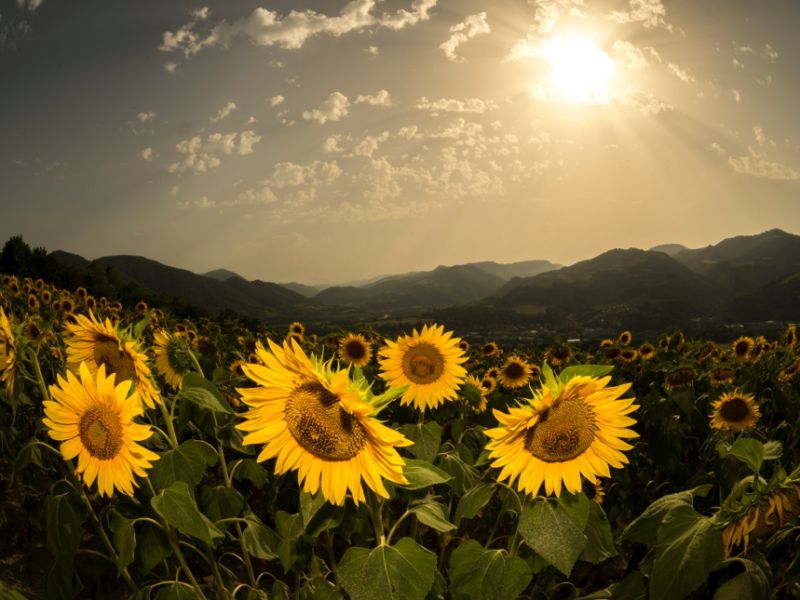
{"x": 644, "y": 528}
{"x": 124, "y": 536}
{"x": 177, "y": 506}
{"x": 318, "y": 514}
{"x": 152, "y": 547}
{"x": 65, "y": 516}
{"x": 221, "y": 502}
{"x": 259, "y": 540}
{"x": 176, "y": 591}
{"x": 422, "y": 474}
{"x": 201, "y": 392}
{"x": 600, "y": 543}
{"x": 470, "y": 504}
{"x": 290, "y": 529}
{"x": 188, "y": 462}
{"x": 431, "y": 513}
{"x": 689, "y": 548}
{"x": 749, "y": 451}
{"x": 752, "y": 584}
{"x": 480, "y": 574}
{"x": 577, "y": 507}
{"x": 584, "y": 371}
{"x": 404, "y": 571}
{"x": 463, "y": 475}
{"x": 552, "y": 533}
{"x": 426, "y": 437}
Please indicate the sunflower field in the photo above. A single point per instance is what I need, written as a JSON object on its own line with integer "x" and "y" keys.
{"x": 147, "y": 456}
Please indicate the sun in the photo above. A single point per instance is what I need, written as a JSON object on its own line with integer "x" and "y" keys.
{"x": 580, "y": 71}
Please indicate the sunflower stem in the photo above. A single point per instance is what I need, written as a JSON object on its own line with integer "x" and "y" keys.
{"x": 196, "y": 363}
{"x": 222, "y": 591}
{"x": 39, "y": 376}
{"x": 251, "y": 576}
{"x": 394, "y": 528}
{"x": 376, "y": 513}
{"x": 172, "y": 438}
{"x": 102, "y": 533}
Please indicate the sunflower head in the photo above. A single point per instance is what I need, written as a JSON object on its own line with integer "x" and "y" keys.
{"x": 680, "y": 377}
{"x": 93, "y": 419}
{"x": 317, "y": 420}
{"x": 625, "y": 338}
{"x": 8, "y": 352}
{"x": 141, "y": 307}
{"x": 493, "y": 373}
{"x": 474, "y": 394}
{"x": 81, "y": 293}
{"x": 101, "y": 343}
{"x": 647, "y": 351}
{"x": 663, "y": 342}
{"x": 172, "y": 358}
{"x": 629, "y": 355}
{"x": 46, "y": 296}
{"x": 428, "y": 362}
{"x": 721, "y": 376}
{"x": 606, "y": 342}
{"x": 677, "y": 341}
{"x": 790, "y": 337}
{"x": 490, "y": 349}
{"x": 559, "y": 354}
{"x": 570, "y": 428}
{"x": 463, "y": 345}
{"x": 789, "y": 372}
{"x": 735, "y": 412}
{"x": 488, "y": 385}
{"x": 515, "y": 372}
{"x": 297, "y": 328}
{"x": 742, "y": 347}
{"x": 354, "y": 349}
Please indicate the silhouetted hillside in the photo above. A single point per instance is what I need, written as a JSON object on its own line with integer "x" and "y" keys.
{"x": 526, "y": 268}
{"x": 222, "y": 274}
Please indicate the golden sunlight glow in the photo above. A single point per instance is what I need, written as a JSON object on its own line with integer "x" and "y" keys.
{"x": 580, "y": 71}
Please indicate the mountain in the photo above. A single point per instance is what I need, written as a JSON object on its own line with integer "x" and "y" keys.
{"x": 73, "y": 260}
{"x": 644, "y": 285}
{"x": 670, "y": 249}
{"x": 744, "y": 264}
{"x": 444, "y": 286}
{"x": 222, "y": 274}
{"x": 302, "y": 289}
{"x": 526, "y": 268}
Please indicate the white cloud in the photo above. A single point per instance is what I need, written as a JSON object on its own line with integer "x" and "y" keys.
{"x": 31, "y": 5}
{"x": 333, "y": 108}
{"x": 223, "y": 112}
{"x": 717, "y": 148}
{"x": 468, "y": 105}
{"x": 369, "y": 144}
{"x": 373, "y": 51}
{"x": 768, "y": 53}
{"x": 545, "y": 18}
{"x": 147, "y": 154}
{"x": 758, "y": 132}
{"x": 765, "y": 81}
{"x": 331, "y": 145}
{"x": 632, "y": 57}
{"x": 685, "y": 75}
{"x": 380, "y": 98}
{"x": 737, "y": 63}
{"x": 174, "y": 191}
{"x": 144, "y": 117}
{"x": 757, "y": 165}
{"x": 276, "y": 100}
{"x": 200, "y": 155}
{"x": 268, "y": 28}
{"x": 645, "y": 102}
{"x": 470, "y": 27}
{"x": 650, "y": 13}
{"x": 289, "y": 174}
{"x": 171, "y": 67}
{"x": 737, "y": 96}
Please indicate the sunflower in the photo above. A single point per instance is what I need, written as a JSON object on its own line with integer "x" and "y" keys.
{"x": 735, "y": 412}
{"x": 647, "y": 351}
{"x": 46, "y": 296}
{"x": 493, "y": 373}
{"x": 33, "y": 303}
{"x": 558, "y": 355}
{"x": 172, "y": 357}
{"x": 625, "y": 338}
{"x": 606, "y": 342}
{"x": 297, "y": 328}
{"x": 682, "y": 376}
{"x": 463, "y": 345}
{"x": 474, "y": 394}
{"x": 81, "y": 293}
{"x": 611, "y": 353}
{"x": 773, "y": 511}
{"x": 677, "y": 340}
{"x": 515, "y": 373}
{"x": 566, "y": 430}
{"x": 790, "y": 337}
{"x": 490, "y": 349}
{"x": 93, "y": 420}
{"x": 742, "y": 347}
{"x": 788, "y": 373}
{"x": 488, "y": 385}
{"x": 354, "y": 349}
{"x": 721, "y": 376}
{"x": 760, "y": 348}
{"x": 141, "y": 307}
{"x": 594, "y": 490}
{"x": 663, "y": 342}
{"x": 91, "y": 303}
{"x": 629, "y": 355}
{"x": 428, "y": 362}
{"x": 316, "y": 420}
{"x": 8, "y": 352}
{"x": 101, "y": 343}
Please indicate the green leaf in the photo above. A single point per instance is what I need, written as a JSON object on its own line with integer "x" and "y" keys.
{"x": 318, "y": 514}
{"x": 176, "y": 591}
{"x": 124, "y": 539}
{"x": 187, "y": 462}
{"x": 584, "y": 371}
{"x": 431, "y": 513}
{"x": 751, "y": 452}
{"x": 259, "y": 540}
{"x": 152, "y": 547}
{"x": 549, "y": 379}
{"x": 644, "y": 528}
{"x": 200, "y": 391}
{"x": 249, "y": 469}
{"x": 552, "y": 533}
{"x": 689, "y": 548}
{"x": 290, "y": 528}
{"x": 221, "y": 502}
{"x": 65, "y": 516}
{"x": 600, "y": 544}
{"x": 427, "y": 438}
{"x": 473, "y": 501}
{"x": 422, "y": 474}
{"x": 463, "y": 476}
{"x": 577, "y": 507}
{"x": 7, "y": 593}
{"x": 177, "y": 506}
{"x": 404, "y": 571}
{"x": 752, "y": 584}
{"x": 480, "y": 574}
{"x": 630, "y": 588}
{"x": 30, "y": 454}
{"x": 773, "y": 450}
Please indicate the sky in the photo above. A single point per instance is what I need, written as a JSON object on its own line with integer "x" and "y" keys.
{"x": 323, "y": 142}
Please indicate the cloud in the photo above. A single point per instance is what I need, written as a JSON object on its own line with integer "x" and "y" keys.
{"x": 737, "y": 96}
{"x": 147, "y": 154}
{"x": 468, "y": 105}
{"x": 545, "y": 18}
{"x": 646, "y": 103}
{"x": 470, "y": 27}
{"x": 223, "y": 112}
{"x": 632, "y": 57}
{"x": 717, "y": 148}
{"x": 144, "y": 117}
{"x": 31, "y": 5}
{"x": 289, "y": 174}
{"x": 200, "y": 155}
{"x": 369, "y": 144}
{"x": 768, "y": 53}
{"x": 685, "y": 75}
{"x": 758, "y": 132}
{"x": 737, "y": 63}
{"x": 380, "y": 98}
{"x": 757, "y": 165}
{"x": 265, "y": 27}
{"x": 373, "y": 51}
{"x": 331, "y": 145}
{"x": 649, "y": 13}
{"x": 334, "y": 108}
{"x": 276, "y": 100}
{"x": 171, "y": 67}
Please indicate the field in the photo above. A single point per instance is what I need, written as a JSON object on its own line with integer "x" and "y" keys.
{"x": 149, "y": 456}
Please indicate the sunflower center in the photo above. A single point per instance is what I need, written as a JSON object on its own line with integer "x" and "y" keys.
{"x": 563, "y": 432}
{"x": 514, "y": 371}
{"x": 355, "y": 350}
{"x": 423, "y": 364}
{"x": 734, "y": 410}
{"x": 101, "y": 432}
{"x": 742, "y": 348}
{"x": 107, "y": 352}
{"x": 318, "y": 423}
